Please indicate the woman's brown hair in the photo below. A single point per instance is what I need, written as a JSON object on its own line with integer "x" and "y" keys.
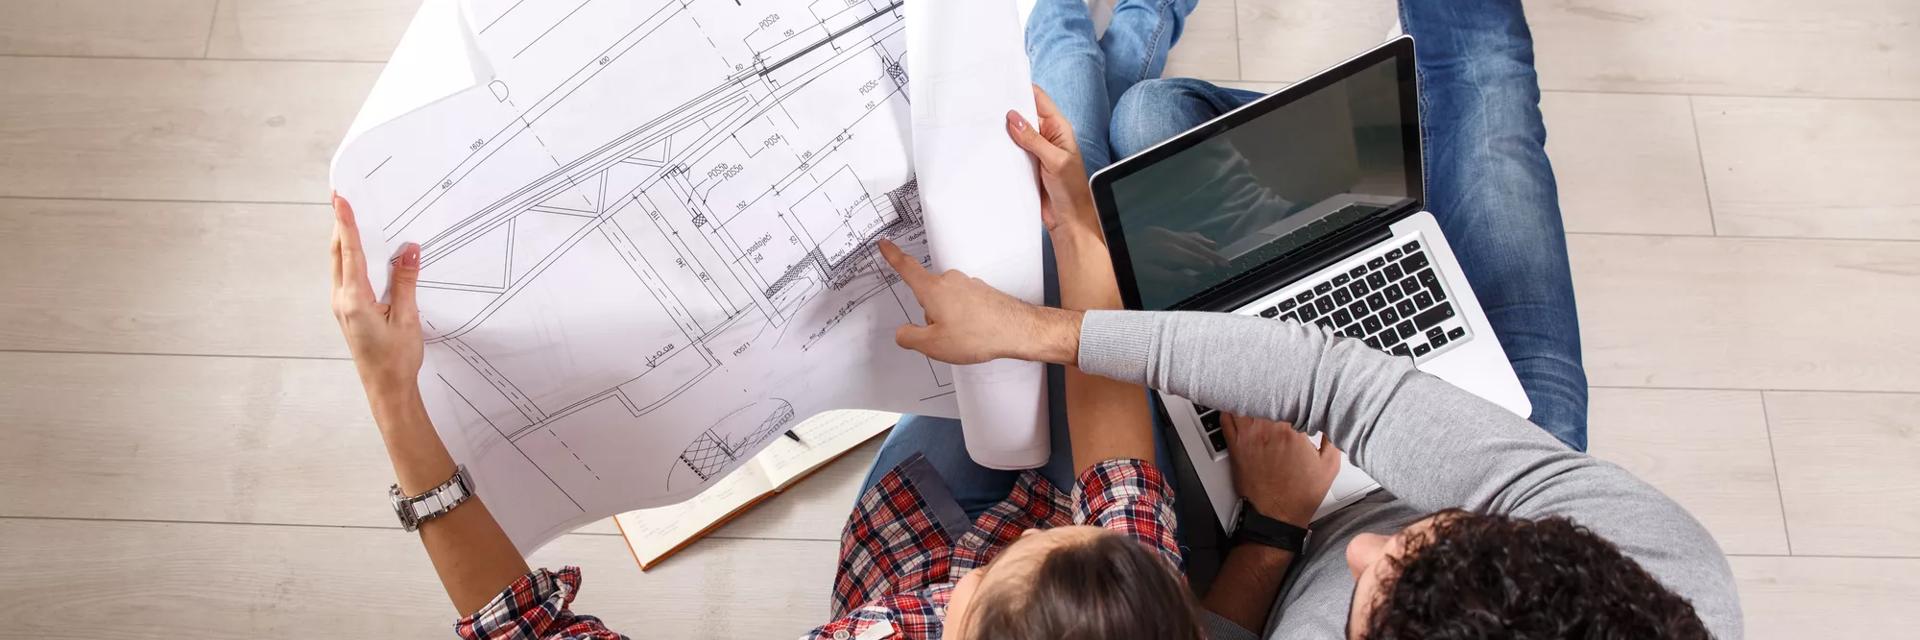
{"x": 1106, "y": 587}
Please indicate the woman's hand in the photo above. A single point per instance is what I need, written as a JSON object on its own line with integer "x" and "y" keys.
{"x": 1278, "y": 469}
{"x": 1066, "y": 208}
{"x": 383, "y": 338}
{"x": 970, "y": 322}
{"x": 1066, "y": 203}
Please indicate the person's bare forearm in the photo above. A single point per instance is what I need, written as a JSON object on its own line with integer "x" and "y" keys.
{"x": 472, "y": 555}
{"x": 1085, "y": 269}
{"x": 1248, "y": 583}
{"x": 1106, "y": 419}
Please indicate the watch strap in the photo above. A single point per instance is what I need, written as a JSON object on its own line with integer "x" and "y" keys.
{"x": 436, "y": 502}
{"x": 1259, "y": 529}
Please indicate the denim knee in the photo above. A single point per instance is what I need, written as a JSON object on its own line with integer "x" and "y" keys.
{"x": 1153, "y": 111}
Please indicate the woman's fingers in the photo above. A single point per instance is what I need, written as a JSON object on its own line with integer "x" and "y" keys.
{"x": 1050, "y": 155}
{"x": 1024, "y": 135}
{"x": 334, "y": 248}
{"x": 353, "y": 261}
{"x": 405, "y": 277}
{"x": 1054, "y": 125}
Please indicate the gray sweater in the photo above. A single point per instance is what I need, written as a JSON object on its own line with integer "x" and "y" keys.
{"x": 1430, "y": 446}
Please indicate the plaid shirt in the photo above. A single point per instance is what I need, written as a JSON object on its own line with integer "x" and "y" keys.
{"x": 900, "y": 554}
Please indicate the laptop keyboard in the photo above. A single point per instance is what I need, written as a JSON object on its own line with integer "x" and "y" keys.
{"x": 1392, "y": 301}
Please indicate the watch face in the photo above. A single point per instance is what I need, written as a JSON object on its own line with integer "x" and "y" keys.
{"x": 401, "y": 508}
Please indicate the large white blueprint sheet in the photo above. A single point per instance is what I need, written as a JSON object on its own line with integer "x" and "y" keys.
{"x": 647, "y": 230}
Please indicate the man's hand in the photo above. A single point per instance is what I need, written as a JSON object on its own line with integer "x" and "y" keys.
{"x": 970, "y": 322}
{"x": 384, "y": 338}
{"x": 1278, "y": 469}
{"x": 1066, "y": 202}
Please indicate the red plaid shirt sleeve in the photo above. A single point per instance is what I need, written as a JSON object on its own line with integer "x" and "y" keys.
{"x": 1130, "y": 497}
{"x": 535, "y": 608}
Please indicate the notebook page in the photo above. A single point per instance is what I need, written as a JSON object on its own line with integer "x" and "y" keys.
{"x": 654, "y": 533}
{"x": 822, "y": 439}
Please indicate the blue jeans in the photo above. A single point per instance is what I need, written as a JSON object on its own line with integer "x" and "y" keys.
{"x": 1488, "y": 183}
{"x": 1084, "y": 75}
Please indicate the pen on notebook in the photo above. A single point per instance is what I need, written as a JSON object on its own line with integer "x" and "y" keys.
{"x": 795, "y": 437}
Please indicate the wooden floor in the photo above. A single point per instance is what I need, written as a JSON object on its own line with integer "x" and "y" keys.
{"x": 186, "y": 451}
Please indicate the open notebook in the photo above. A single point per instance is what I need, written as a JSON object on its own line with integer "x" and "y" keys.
{"x": 654, "y": 534}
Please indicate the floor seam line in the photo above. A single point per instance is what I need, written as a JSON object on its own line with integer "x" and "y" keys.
{"x": 1700, "y": 155}
{"x": 1780, "y": 491}
{"x": 159, "y": 200}
{"x": 203, "y": 58}
{"x": 212, "y": 19}
{"x": 1632, "y": 234}
{"x": 163, "y": 354}
{"x": 308, "y": 525}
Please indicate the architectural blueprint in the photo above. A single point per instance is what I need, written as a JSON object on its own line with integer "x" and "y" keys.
{"x": 646, "y": 235}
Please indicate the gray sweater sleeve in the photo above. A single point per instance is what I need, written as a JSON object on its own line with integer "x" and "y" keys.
{"x": 1425, "y": 441}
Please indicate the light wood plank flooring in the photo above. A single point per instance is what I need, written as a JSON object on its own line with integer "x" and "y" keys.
{"x": 185, "y": 451}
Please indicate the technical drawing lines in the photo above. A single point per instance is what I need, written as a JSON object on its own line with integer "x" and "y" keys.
{"x": 715, "y": 448}
{"x": 676, "y": 309}
{"x": 575, "y": 454}
{"x": 625, "y": 236}
{"x": 706, "y": 456}
{"x": 830, "y": 38}
{"x": 493, "y": 377}
{"x": 902, "y": 212}
{"x": 503, "y": 436}
{"x": 688, "y": 378}
{"x": 906, "y": 202}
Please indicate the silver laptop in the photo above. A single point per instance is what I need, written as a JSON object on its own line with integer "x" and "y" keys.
{"x": 1303, "y": 206}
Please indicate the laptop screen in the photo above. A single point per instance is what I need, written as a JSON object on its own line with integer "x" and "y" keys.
{"x": 1255, "y": 191}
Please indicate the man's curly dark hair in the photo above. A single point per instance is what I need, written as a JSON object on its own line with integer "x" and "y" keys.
{"x": 1493, "y": 576}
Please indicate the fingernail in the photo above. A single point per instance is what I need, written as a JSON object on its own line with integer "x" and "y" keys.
{"x": 410, "y": 256}
{"x": 1016, "y": 121}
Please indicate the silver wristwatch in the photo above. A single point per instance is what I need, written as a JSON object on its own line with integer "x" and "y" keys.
{"x": 434, "y": 503}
